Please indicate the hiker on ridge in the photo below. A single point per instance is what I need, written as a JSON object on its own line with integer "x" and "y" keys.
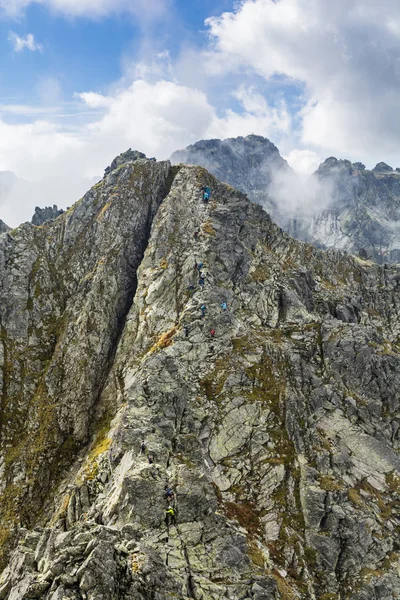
{"x": 170, "y": 517}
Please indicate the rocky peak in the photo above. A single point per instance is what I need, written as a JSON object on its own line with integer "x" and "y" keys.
{"x": 251, "y": 151}
{"x": 128, "y": 156}
{"x": 42, "y": 215}
{"x": 382, "y": 168}
{"x": 248, "y": 163}
{"x": 344, "y": 205}
{"x": 336, "y": 166}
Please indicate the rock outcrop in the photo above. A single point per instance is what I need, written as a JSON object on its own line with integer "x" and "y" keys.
{"x": 124, "y": 157}
{"x": 4, "y": 227}
{"x": 275, "y": 419}
{"x": 42, "y": 215}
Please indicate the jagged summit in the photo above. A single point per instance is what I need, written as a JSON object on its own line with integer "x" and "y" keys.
{"x": 343, "y": 205}
{"x": 124, "y": 157}
{"x": 364, "y": 210}
{"x": 332, "y": 163}
{"x": 261, "y": 375}
{"x": 239, "y": 144}
{"x": 251, "y": 151}
{"x": 382, "y": 168}
{"x": 248, "y": 163}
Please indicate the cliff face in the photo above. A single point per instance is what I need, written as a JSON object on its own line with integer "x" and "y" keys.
{"x": 278, "y": 432}
{"x": 64, "y": 294}
{"x": 3, "y": 227}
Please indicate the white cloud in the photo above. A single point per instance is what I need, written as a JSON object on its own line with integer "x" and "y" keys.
{"x": 304, "y": 162}
{"x": 345, "y": 54}
{"x": 153, "y": 117}
{"x": 93, "y": 100}
{"x": 21, "y": 43}
{"x": 160, "y": 117}
{"x": 339, "y": 63}
{"x": 256, "y": 116}
{"x": 156, "y": 118}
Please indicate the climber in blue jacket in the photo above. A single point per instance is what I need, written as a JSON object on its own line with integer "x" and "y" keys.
{"x": 206, "y": 194}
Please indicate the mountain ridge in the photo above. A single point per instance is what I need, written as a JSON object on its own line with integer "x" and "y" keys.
{"x": 277, "y": 432}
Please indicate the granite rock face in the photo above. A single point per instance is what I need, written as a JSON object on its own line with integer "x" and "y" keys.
{"x": 4, "y": 227}
{"x": 274, "y": 417}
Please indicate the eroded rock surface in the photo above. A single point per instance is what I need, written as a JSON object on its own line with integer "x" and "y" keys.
{"x": 279, "y": 433}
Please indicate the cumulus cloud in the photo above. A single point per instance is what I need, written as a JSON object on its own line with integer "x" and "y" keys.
{"x": 51, "y": 162}
{"x": 152, "y": 117}
{"x": 156, "y": 118}
{"x": 346, "y": 55}
{"x": 21, "y": 43}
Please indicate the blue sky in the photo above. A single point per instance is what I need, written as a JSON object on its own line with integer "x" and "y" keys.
{"x": 83, "y": 80}
{"x": 65, "y": 42}
{"x": 85, "y": 53}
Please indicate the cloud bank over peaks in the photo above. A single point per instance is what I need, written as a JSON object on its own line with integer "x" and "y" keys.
{"x": 344, "y": 55}
{"x": 156, "y": 118}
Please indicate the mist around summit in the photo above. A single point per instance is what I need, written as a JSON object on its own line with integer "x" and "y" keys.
{"x": 342, "y": 205}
